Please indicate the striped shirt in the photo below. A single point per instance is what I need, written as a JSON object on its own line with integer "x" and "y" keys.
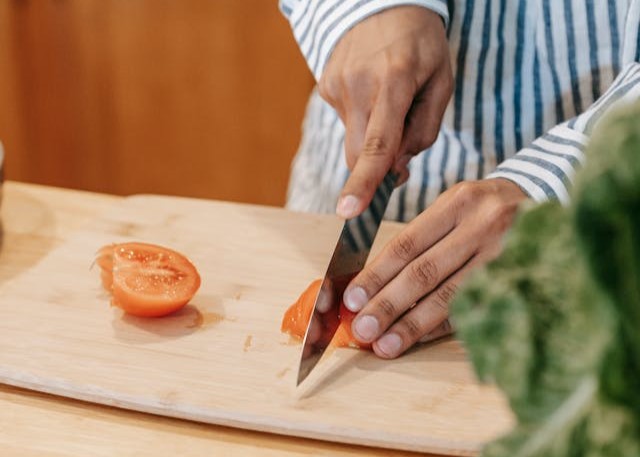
{"x": 532, "y": 78}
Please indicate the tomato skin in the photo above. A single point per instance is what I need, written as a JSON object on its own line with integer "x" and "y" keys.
{"x": 147, "y": 280}
{"x": 297, "y": 316}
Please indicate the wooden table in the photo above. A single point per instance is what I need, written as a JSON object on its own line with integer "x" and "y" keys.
{"x": 35, "y": 220}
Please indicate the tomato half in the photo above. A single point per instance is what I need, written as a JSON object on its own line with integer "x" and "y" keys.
{"x": 147, "y": 280}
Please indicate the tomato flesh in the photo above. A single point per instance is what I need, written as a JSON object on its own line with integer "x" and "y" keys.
{"x": 147, "y": 280}
{"x": 344, "y": 336}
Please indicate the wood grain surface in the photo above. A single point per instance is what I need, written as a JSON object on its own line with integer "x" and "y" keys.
{"x": 36, "y": 220}
{"x": 222, "y": 359}
{"x": 33, "y": 424}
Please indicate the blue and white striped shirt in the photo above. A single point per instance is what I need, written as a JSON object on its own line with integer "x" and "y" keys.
{"x": 532, "y": 78}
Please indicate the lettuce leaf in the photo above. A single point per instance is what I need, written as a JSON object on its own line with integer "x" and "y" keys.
{"x": 555, "y": 321}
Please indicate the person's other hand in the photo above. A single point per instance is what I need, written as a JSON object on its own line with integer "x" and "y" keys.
{"x": 389, "y": 78}
{"x": 403, "y": 295}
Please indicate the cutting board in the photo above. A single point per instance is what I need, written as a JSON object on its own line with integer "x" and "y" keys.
{"x": 222, "y": 359}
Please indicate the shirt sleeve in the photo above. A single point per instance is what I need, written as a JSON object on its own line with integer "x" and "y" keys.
{"x": 318, "y": 25}
{"x": 545, "y": 170}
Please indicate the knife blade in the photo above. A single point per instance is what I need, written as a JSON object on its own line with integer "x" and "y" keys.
{"x": 348, "y": 259}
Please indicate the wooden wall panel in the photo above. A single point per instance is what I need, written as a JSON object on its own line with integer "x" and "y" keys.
{"x": 188, "y": 97}
{"x": 11, "y": 133}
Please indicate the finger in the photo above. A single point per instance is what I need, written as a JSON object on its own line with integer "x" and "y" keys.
{"x": 331, "y": 88}
{"x": 442, "y": 330}
{"x": 403, "y": 177}
{"x": 424, "y": 318}
{"x": 381, "y": 144}
{"x": 425, "y": 117}
{"x": 402, "y": 169}
{"x": 358, "y": 97}
{"x": 355, "y": 127}
{"x": 420, "y": 277}
{"x": 405, "y": 247}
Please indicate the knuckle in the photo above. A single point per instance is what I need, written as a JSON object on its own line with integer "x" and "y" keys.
{"x": 387, "y": 308}
{"x": 323, "y": 87}
{"x": 464, "y": 190}
{"x": 424, "y": 272}
{"x": 396, "y": 71}
{"x": 444, "y": 295}
{"x": 410, "y": 328}
{"x": 467, "y": 194}
{"x": 375, "y": 146}
{"x": 429, "y": 136}
{"x": 404, "y": 247}
{"x": 495, "y": 215}
{"x": 411, "y": 61}
{"x": 372, "y": 280}
{"x": 328, "y": 87}
{"x": 500, "y": 215}
{"x": 353, "y": 78}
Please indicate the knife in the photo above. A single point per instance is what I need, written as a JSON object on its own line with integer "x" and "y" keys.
{"x": 348, "y": 259}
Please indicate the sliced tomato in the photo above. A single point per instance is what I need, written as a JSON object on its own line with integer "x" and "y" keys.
{"x": 297, "y": 316}
{"x": 147, "y": 280}
{"x": 296, "y": 319}
{"x": 344, "y": 336}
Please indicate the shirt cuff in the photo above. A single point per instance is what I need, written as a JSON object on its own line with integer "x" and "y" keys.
{"x": 318, "y": 25}
{"x": 546, "y": 169}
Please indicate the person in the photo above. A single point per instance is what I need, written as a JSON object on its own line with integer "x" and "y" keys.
{"x": 476, "y": 105}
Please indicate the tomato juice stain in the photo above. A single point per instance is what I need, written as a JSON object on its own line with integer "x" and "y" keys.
{"x": 247, "y": 343}
{"x": 203, "y": 319}
{"x": 281, "y": 374}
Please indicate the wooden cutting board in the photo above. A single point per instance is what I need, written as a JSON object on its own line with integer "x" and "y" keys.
{"x": 222, "y": 359}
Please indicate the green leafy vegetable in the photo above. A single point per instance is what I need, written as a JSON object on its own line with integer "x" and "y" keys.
{"x": 555, "y": 321}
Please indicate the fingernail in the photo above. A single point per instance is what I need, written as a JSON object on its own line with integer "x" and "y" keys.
{"x": 390, "y": 344}
{"x": 355, "y": 299}
{"x": 347, "y": 206}
{"x": 366, "y": 328}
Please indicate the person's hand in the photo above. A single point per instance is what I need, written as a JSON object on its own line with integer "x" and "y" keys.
{"x": 389, "y": 78}
{"x": 403, "y": 295}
